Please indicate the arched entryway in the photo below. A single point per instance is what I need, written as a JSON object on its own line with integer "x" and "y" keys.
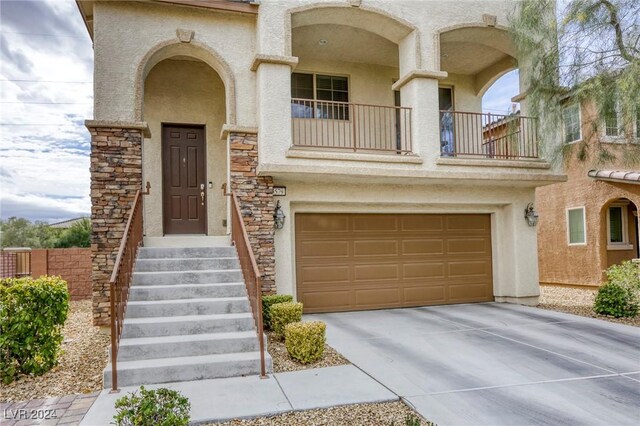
{"x": 619, "y": 236}
{"x": 185, "y": 104}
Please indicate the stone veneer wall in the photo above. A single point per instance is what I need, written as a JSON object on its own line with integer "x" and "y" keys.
{"x": 255, "y": 196}
{"x": 116, "y": 174}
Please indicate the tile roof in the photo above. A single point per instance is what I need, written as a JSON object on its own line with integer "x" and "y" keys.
{"x": 616, "y": 175}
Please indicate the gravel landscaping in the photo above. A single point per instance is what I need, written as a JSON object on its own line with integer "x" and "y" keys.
{"x": 79, "y": 369}
{"x": 577, "y": 301}
{"x": 282, "y": 362}
{"x": 382, "y": 414}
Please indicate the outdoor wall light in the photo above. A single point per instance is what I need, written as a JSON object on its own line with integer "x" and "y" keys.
{"x": 530, "y": 215}
{"x": 278, "y": 216}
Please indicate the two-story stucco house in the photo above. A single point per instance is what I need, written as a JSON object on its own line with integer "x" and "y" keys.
{"x": 590, "y": 222}
{"x": 359, "y": 121}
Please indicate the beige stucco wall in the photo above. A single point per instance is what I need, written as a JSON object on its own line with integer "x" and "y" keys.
{"x": 559, "y": 262}
{"x": 125, "y": 33}
{"x": 514, "y": 243}
{"x": 185, "y": 92}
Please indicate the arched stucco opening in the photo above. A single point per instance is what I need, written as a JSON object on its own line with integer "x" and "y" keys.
{"x": 481, "y": 53}
{"x": 196, "y": 51}
{"x": 348, "y": 60}
{"x": 619, "y": 235}
{"x": 184, "y": 103}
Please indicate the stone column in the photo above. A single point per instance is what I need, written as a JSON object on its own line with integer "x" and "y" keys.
{"x": 116, "y": 175}
{"x": 255, "y": 196}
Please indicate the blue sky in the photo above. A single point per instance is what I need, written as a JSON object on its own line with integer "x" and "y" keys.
{"x": 46, "y": 93}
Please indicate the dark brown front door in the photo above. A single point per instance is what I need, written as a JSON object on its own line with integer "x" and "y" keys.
{"x": 183, "y": 164}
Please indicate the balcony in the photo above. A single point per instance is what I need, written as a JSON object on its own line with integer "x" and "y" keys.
{"x": 346, "y": 126}
{"x": 476, "y": 135}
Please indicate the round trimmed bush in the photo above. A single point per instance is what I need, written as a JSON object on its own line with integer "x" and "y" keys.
{"x": 283, "y": 314}
{"x": 270, "y": 300}
{"x": 615, "y": 300}
{"x": 305, "y": 340}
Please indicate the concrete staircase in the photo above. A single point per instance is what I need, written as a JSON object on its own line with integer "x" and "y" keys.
{"x": 188, "y": 317}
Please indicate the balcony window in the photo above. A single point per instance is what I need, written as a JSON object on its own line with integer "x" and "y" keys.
{"x": 327, "y": 96}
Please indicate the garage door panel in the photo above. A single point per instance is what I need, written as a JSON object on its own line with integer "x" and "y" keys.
{"x": 324, "y": 301}
{"x": 375, "y": 248}
{"x": 374, "y": 223}
{"x": 321, "y": 274}
{"x": 412, "y": 223}
{"x": 468, "y": 246}
{"x": 423, "y": 270}
{"x": 469, "y": 269}
{"x": 423, "y": 247}
{"x": 365, "y": 261}
{"x": 468, "y": 292}
{"x": 376, "y": 272}
{"x": 324, "y": 249}
{"x": 425, "y": 295}
{"x": 462, "y": 222}
{"x": 377, "y": 297}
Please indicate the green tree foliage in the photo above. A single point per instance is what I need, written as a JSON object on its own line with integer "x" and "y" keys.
{"x": 77, "y": 235}
{"x": 152, "y": 407}
{"x": 19, "y": 232}
{"x": 585, "y": 49}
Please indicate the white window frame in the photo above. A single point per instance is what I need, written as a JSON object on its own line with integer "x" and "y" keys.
{"x": 564, "y": 126}
{"x": 624, "y": 245}
{"x": 621, "y": 136}
{"x": 584, "y": 224}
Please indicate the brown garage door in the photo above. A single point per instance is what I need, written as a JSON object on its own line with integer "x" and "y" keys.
{"x": 347, "y": 262}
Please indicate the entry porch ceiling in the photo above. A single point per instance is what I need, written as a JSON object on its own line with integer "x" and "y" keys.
{"x": 333, "y": 42}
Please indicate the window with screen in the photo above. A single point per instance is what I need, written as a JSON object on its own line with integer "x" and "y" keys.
{"x": 576, "y": 226}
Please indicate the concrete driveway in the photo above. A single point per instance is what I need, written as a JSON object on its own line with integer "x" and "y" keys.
{"x": 497, "y": 364}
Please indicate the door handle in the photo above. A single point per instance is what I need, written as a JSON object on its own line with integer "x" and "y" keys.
{"x": 202, "y": 197}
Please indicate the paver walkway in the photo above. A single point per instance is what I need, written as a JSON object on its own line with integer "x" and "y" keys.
{"x": 497, "y": 364}
{"x": 62, "y": 410}
{"x": 245, "y": 397}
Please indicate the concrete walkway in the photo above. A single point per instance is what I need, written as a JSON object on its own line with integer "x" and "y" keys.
{"x": 245, "y": 397}
{"x": 497, "y": 364}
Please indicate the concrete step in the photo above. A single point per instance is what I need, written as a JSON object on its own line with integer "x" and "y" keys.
{"x": 186, "y": 264}
{"x": 182, "y": 307}
{"x": 185, "y": 253}
{"x": 187, "y": 291}
{"x": 187, "y": 277}
{"x": 179, "y": 369}
{"x": 187, "y": 345}
{"x": 180, "y": 241}
{"x": 187, "y": 324}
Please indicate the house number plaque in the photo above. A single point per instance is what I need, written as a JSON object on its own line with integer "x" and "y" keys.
{"x": 279, "y": 191}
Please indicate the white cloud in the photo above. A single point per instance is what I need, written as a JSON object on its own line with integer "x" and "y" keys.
{"x": 44, "y": 146}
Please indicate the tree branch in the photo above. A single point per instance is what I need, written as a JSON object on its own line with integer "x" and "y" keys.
{"x": 615, "y": 23}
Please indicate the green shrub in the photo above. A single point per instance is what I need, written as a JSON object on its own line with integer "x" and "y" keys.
{"x": 32, "y": 313}
{"x": 305, "y": 340}
{"x": 283, "y": 314}
{"x": 159, "y": 407}
{"x": 620, "y": 296}
{"x": 615, "y": 300}
{"x": 268, "y": 301}
{"x": 626, "y": 275}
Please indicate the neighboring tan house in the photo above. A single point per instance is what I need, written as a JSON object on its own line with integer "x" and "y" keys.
{"x": 590, "y": 222}
{"x": 359, "y": 121}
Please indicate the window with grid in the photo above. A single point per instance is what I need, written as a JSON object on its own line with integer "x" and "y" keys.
{"x": 576, "y": 225}
{"x": 320, "y": 96}
{"x": 612, "y": 121}
{"x": 571, "y": 116}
